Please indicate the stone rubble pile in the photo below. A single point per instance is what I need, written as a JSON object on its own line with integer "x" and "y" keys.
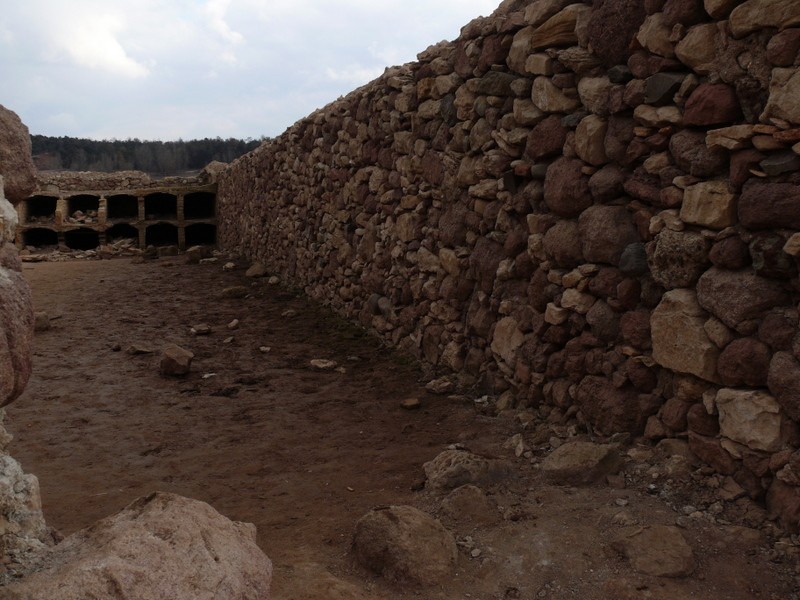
{"x": 592, "y": 206}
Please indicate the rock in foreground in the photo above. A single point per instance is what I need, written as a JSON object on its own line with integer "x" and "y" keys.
{"x": 159, "y": 547}
{"x": 403, "y": 544}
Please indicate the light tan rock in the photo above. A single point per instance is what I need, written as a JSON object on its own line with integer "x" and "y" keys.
{"x": 590, "y": 137}
{"x": 559, "y": 30}
{"x": 753, "y": 15}
{"x": 175, "y": 361}
{"x": 507, "y": 339}
{"x": 549, "y": 98}
{"x": 657, "y": 116}
{"x": 784, "y": 96}
{"x": 521, "y": 48}
{"x": 537, "y": 13}
{"x": 539, "y": 64}
{"x": 526, "y": 112}
{"x": 698, "y": 48}
{"x": 581, "y": 463}
{"x": 453, "y": 468}
{"x": 710, "y": 204}
{"x": 405, "y": 545}
{"x": 654, "y": 34}
{"x": 750, "y": 417}
{"x": 593, "y": 92}
{"x": 792, "y": 245}
{"x": 679, "y": 340}
{"x": 555, "y": 315}
{"x": 659, "y": 550}
{"x": 735, "y": 137}
{"x": 162, "y": 546}
{"x": 718, "y": 332}
{"x": 572, "y": 299}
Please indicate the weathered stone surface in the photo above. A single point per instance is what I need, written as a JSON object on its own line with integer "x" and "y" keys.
{"x": 784, "y": 95}
{"x": 549, "y": 98}
{"x": 783, "y": 501}
{"x": 730, "y": 253}
{"x": 654, "y": 34}
{"x": 750, "y": 417}
{"x": 720, "y": 8}
{"x": 699, "y": 421}
{"x": 454, "y": 468}
{"x": 23, "y": 531}
{"x": 256, "y": 270}
{"x": 546, "y": 138}
{"x": 175, "y": 361}
{"x": 507, "y": 339}
{"x": 590, "y": 140}
{"x": 566, "y": 188}
{"x": 612, "y": 27}
{"x": 581, "y": 463}
{"x": 594, "y": 94}
{"x": 783, "y": 47}
{"x": 679, "y": 341}
{"x": 162, "y": 546}
{"x": 559, "y": 30}
{"x": 711, "y": 452}
{"x": 405, "y": 545}
{"x": 712, "y": 104}
{"x": 769, "y": 205}
{"x": 678, "y": 258}
{"x": 661, "y": 87}
{"x": 691, "y": 154}
{"x": 470, "y": 504}
{"x": 737, "y": 297}
{"x": 658, "y": 550}
{"x": 784, "y": 382}
{"x": 759, "y": 14}
{"x": 16, "y": 164}
{"x": 562, "y": 243}
{"x": 744, "y": 362}
{"x": 605, "y": 232}
{"x": 710, "y": 204}
{"x": 610, "y": 409}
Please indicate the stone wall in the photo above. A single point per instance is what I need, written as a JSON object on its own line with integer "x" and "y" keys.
{"x": 588, "y": 206}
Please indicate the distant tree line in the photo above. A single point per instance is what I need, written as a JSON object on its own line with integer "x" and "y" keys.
{"x": 154, "y": 157}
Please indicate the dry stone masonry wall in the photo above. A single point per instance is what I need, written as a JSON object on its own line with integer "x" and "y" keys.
{"x": 588, "y": 206}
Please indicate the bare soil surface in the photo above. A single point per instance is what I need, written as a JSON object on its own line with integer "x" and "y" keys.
{"x": 303, "y": 453}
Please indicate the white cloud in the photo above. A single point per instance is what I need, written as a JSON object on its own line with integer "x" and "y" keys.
{"x": 216, "y": 10}
{"x": 163, "y": 69}
{"x": 93, "y": 43}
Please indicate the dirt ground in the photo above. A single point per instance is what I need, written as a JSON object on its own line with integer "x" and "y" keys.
{"x": 303, "y": 453}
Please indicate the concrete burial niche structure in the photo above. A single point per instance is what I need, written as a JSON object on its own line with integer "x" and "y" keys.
{"x": 82, "y": 211}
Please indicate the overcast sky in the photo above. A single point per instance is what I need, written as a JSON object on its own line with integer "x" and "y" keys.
{"x": 169, "y": 69}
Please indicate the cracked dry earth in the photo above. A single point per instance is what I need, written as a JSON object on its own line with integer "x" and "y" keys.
{"x": 304, "y": 453}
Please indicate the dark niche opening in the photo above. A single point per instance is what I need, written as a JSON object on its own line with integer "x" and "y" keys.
{"x": 123, "y": 206}
{"x": 82, "y": 239}
{"x": 161, "y": 234}
{"x": 40, "y": 237}
{"x": 201, "y": 234}
{"x": 83, "y": 203}
{"x": 122, "y": 231}
{"x": 199, "y": 205}
{"x": 41, "y": 208}
{"x": 161, "y": 206}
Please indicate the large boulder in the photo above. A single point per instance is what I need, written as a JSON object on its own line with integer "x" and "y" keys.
{"x": 405, "y": 545}
{"x": 162, "y": 546}
{"x": 16, "y": 312}
{"x": 16, "y": 163}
